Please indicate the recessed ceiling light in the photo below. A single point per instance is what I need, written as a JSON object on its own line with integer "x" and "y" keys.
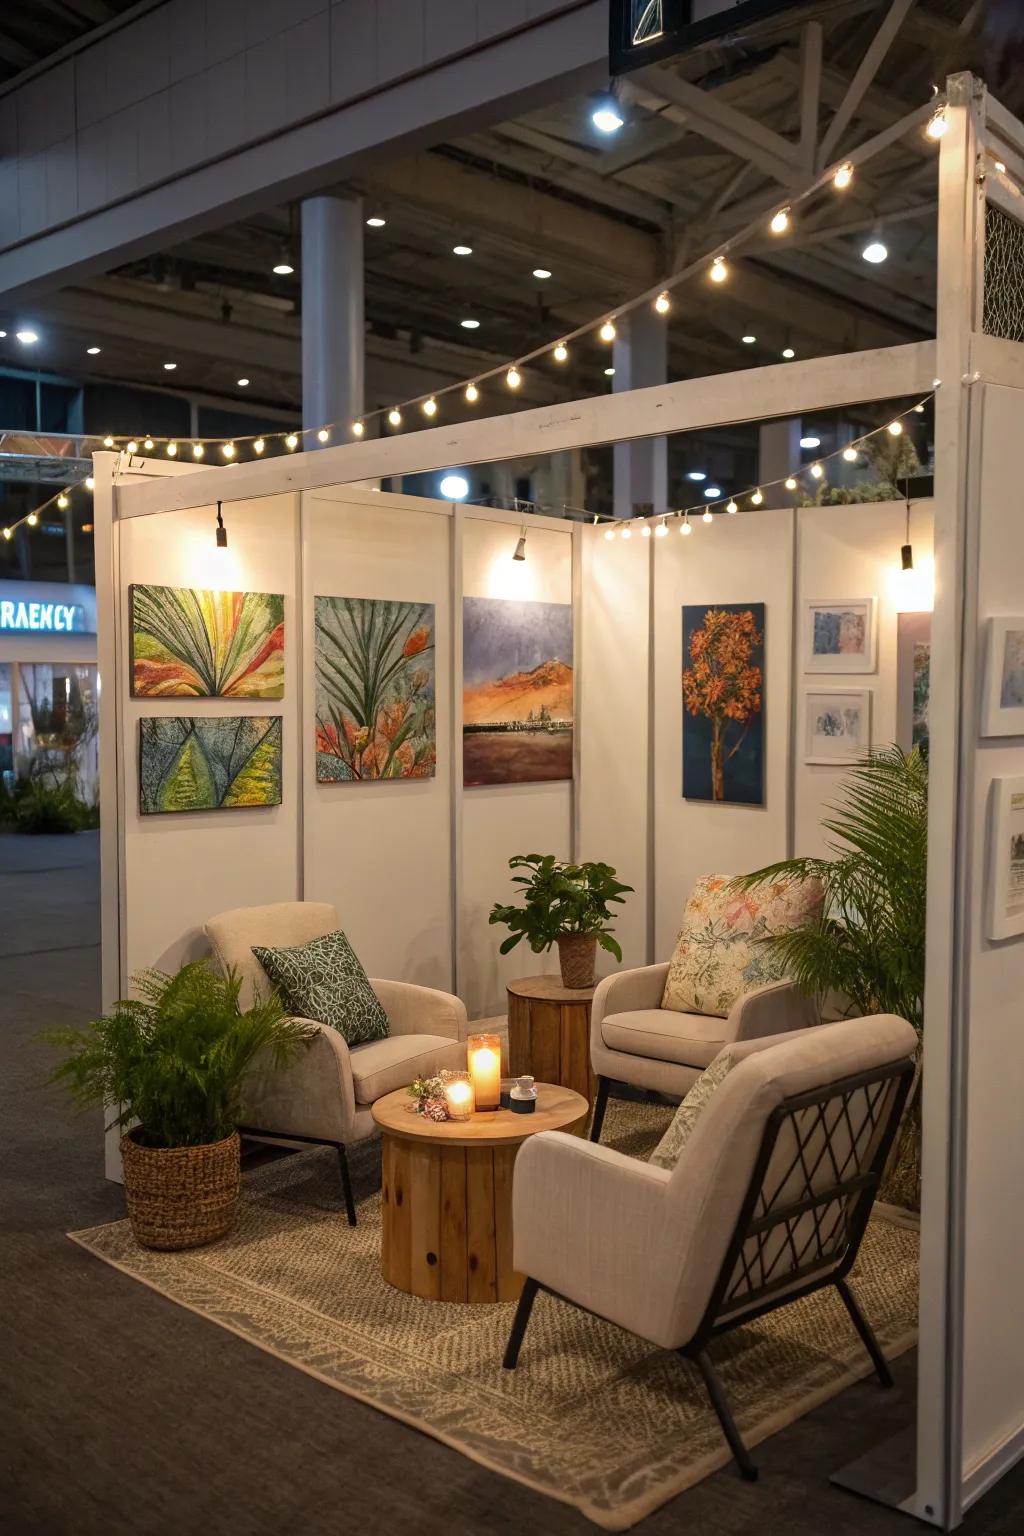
{"x": 875, "y": 252}
{"x": 462, "y": 250}
{"x": 748, "y": 341}
{"x": 788, "y": 353}
{"x": 696, "y": 474}
{"x": 606, "y": 114}
{"x": 93, "y": 351}
{"x": 454, "y": 487}
{"x": 609, "y": 373}
{"x": 170, "y": 367}
{"x": 541, "y": 272}
{"x": 376, "y": 222}
{"x": 27, "y": 337}
{"x": 2, "y": 334}
{"x": 470, "y": 325}
{"x": 242, "y": 383}
{"x": 810, "y": 441}
{"x": 283, "y": 269}
{"x": 712, "y": 491}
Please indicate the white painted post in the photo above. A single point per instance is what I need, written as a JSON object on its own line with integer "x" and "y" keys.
{"x": 333, "y": 324}
{"x": 638, "y": 356}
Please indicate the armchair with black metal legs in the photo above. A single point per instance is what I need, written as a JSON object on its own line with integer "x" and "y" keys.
{"x": 768, "y": 1202}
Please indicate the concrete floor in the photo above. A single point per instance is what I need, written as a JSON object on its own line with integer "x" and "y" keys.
{"x": 120, "y": 1412}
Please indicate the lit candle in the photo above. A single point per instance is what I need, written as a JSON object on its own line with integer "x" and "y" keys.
{"x": 458, "y": 1095}
{"x": 484, "y": 1057}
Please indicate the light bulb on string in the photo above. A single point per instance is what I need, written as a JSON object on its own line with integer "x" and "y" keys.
{"x": 661, "y": 530}
{"x": 259, "y": 445}
{"x": 198, "y": 450}
{"x": 8, "y": 533}
{"x": 561, "y": 353}
{"x": 663, "y": 304}
{"x": 472, "y": 394}
{"x": 707, "y": 518}
{"x": 731, "y": 507}
{"x": 646, "y": 531}
{"x": 323, "y": 435}
{"x": 32, "y": 519}
{"x": 607, "y": 331}
{"x": 358, "y": 428}
{"x": 430, "y": 407}
{"x": 172, "y": 450}
{"x": 817, "y": 471}
{"x": 609, "y": 534}
{"x": 148, "y": 445}
{"x": 850, "y": 455}
{"x": 627, "y": 532}
{"x": 895, "y": 428}
{"x": 132, "y": 446}
{"x": 228, "y": 450}
{"x": 843, "y": 176}
{"x": 513, "y": 378}
{"x": 757, "y": 498}
{"x": 63, "y": 501}
{"x": 90, "y": 483}
{"x": 685, "y": 528}
{"x": 719, "y": 270}
{"x": 937, "y": 123}
{"x": 790, "y": 483}
{"x": 395, "y": 417}
{"x": 780, "y": 222}
{"x": 108, "y": 442}
{"x": 291, "y": 442}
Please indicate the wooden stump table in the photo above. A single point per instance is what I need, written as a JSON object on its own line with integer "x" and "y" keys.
{"x": 549, "y": 1033}
{"x": 447, "y": 1194}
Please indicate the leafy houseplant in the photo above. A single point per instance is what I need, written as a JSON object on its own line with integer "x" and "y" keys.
{"x": 564, "y": 904}
{"x": 175, "y": 1059}
{"x": 868, "y": 946}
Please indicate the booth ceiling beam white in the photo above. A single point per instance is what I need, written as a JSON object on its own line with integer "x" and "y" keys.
{"x": 971, "y": 1377}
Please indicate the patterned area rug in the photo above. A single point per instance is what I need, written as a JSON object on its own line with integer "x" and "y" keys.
{"x": 592, "y": 1416}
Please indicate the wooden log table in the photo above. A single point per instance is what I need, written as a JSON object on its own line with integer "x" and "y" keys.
{"x": 447, "y": 1194}
{"x": 549, "y": 1033}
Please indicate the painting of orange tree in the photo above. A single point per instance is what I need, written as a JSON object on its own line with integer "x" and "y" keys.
{"x": 375, "y": 697}
{"x": 723, "y": 718}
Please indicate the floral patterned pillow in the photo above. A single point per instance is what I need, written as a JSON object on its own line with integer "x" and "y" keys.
{"x": 670, "y": 1148}
{"x": 721, "y": 952}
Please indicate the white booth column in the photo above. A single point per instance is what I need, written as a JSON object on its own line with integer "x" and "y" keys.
{"x": 778, "y": 450}
{"x": 639, "y": 356}
{"x": 333, "y": 324}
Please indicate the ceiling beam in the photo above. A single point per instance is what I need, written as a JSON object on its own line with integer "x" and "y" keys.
{"x": 722, "y": 124}
{"x": 810, "y": 92}
{"x": 865, "y": 74}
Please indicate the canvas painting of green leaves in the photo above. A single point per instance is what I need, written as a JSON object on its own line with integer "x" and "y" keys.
{"x": 190, "y": 643}
{"x": 209, "y": 765}
{"x": 375, "y": 695}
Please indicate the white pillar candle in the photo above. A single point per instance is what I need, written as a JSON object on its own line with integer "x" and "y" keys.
{"x": 458, "y": 1095}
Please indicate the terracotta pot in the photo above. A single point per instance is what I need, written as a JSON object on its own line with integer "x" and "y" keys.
{"x": 577, "y": 955}
{"x": 181, "y": 1197}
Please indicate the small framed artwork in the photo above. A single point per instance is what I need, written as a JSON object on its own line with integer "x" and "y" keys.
{"x": 913, "y": 674}
{"x": 840, "y": 635}
{"x": 1003, "y": 699}
{"x": 838, "y": 725}
{"x": 1006, "y": 859}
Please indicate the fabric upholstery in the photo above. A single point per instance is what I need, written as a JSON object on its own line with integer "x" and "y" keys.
{"x": 691, "y": 1039}
{"x": 642, "y": 1246}
{"x": 670, "y": 1148}
{"x": 724, "y": 946}
{"x": 415, "y": 1010}
{"x": 380, "y": 1066}
{"x": 324, "y": 980}
{"x": 231, "y": 936}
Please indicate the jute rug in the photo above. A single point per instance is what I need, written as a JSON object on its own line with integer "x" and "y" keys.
{"x": 592, "y": 1416}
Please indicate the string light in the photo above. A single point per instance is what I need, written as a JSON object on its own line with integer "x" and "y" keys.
{"x": 358, "y": 429}
{"x": 259, "y": 445}
{"x": 561, "y": 353}
{"x": 817, "y": 471}
{"x": 790, "y": 484}
{"x": 8, "y": 533}
{"x": 63, "y": 501}
{"x": 663, "y": 303}
{"x": 719, "y": 270}
{"x": 198, "y": 450}
{"x": 609, "y": 533}
{"x": 731, "y": 506}
{"x": 228, "y": 450}
{"x": 895, "y": 428}
{"x": 757, "y": 498}
{"x": 662, "y": 529}
{"x": 627, "y": 532}
{"x": 148, "y": 445}
{"x": 937, "y": 123}
{"x": 90, "y": 483}
{"x": 472, "y": 394}
{"x": 607, "y": 331}
{"x": 323, "y": 435}
{"x": 108, "y": 442}
{"x": 646, "y": 530}
{"x": 172, "y": 450}
{"x": 132, "y": 446}
{"x": 780, "y": 222}
{"x": 430, "y": 407}
{"x": 843, "y": 176}
{"x": 291, "y": 441}
{"x": 707, "y": 518}
{"x": 513, "y": 378}
{"x": 850, "y": 455}
{"x": 686, "y": 530}
{"x": 32, "y": 519}
{"x": 395, "y": 417}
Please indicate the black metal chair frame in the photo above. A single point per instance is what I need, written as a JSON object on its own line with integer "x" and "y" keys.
{"x": 313, "y": 1141}
{"x": 744, "y": 1289}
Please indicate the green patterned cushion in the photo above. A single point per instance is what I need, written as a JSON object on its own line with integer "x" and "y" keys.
{"x": 323, "y": 980}
{"x": 670, "y": 1148}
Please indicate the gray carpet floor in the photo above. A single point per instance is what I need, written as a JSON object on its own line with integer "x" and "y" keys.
{"x": 120, "y": 1412}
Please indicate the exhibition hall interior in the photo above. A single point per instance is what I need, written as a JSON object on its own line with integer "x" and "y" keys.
{"x": 511, "y": 766}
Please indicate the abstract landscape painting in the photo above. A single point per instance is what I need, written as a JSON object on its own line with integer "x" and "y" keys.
{"x": 190, "y": 643}
{"x": 841, "y": 635}
{"x": 375, "y": 695}
{"x": 209, "y": 765}
{"x": 517, "y": 694}
{"x": 838, "y": 725}
{"x": 723, "y": 719}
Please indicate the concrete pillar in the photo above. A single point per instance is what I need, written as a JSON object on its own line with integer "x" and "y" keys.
{"x": 333, "y": 325}
{"x": 778, "y": 450}
{"x": 639, "y": 353}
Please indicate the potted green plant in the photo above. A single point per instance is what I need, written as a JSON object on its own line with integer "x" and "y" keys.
{"x": 564, "y": 904}
{"x": 866, "y": 951}
{"x": 174, "y": 1061}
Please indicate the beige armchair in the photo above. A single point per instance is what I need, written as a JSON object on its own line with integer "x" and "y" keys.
{"x": 328, "y": 1093}
{"x": 768, "y": 1201}
{"x": 634, "y": 1040}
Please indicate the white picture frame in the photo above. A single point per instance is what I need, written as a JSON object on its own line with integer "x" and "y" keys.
{"x": 840, "y": 635}
{"x": 1006, "y": 859}
{"x": 846, "y": 736}
{"x": 1001, "y": 714}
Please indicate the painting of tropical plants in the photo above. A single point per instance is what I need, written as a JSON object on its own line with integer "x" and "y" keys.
{"x": 209, "y": 765}
{"x": 723, "y": 683}
{"x": 375, "y": 696}
{"x": 189, "y": 643}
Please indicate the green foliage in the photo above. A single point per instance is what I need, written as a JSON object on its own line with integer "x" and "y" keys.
{"x": 176, "y": 1058}
{"x": 868, "y": 944}
{"x": 560, "y": 898}
{"x": 35, "y": 805}
{"x": 892, "y": 460}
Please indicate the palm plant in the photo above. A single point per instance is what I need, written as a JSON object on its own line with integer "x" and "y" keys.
{"x": 868, "y": 944}
{"x": 177, "y": 1056}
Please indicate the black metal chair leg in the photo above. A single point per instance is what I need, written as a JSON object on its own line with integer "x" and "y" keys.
{"x": 867, "y": 1334}
{"x": 720, "y": 1403}
{"x": 600, "y": 1105}
{"x": 520, "y": 1323}
{"x": 346, "y": 1184}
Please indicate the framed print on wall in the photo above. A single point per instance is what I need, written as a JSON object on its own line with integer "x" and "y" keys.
{"x": 1003, "y": 700}
{"x": 913, "y": 679}
{"x": 838, "y": 724}
{"x": 1006, "y": 859}
{"x": 840, "y": 635}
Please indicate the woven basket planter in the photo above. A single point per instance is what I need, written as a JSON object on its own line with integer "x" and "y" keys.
{"x": 577, "y": 956}
{"x": 181, "y": 1197}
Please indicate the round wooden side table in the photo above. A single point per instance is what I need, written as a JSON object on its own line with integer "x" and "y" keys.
{"x": 549, "y": 1032}
{"x": 447, "y": 1194}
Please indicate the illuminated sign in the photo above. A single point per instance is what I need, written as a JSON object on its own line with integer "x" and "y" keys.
{"x": 27, "y": 618}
